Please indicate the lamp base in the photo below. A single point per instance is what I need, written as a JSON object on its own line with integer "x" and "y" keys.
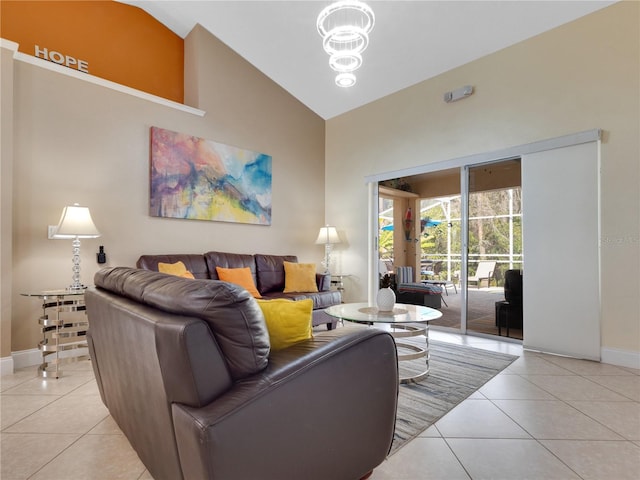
{"x": 76, "y": 285}
{"x": 327, "y": 258}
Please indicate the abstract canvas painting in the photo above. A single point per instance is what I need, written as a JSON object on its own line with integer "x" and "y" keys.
{"x": 200, "y": 179}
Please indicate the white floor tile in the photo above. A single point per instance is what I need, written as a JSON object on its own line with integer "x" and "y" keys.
{"x": 513, "y": 387}
{"x": 479, "y": 419}
{"x": 15, "y": 379}
{"x": 628, "y": 386}
{"x": 23, "y": 454}
{"x": 553, "y": 419}
{"x": 14, "y": 408}
{"x": 70, "y": 414}
{"x": 586, "y": 367}
{"x": 621, "y": 417}
{"x": 95, "y": 457}
{"x": 51, "y": 386}
{"x": 421, "y": 459}
{"x": 431, "y": 432}
{"x": 574, "y": 388}
{"x": 502, "y": 459}
{"x": 596, "y": 460}
{"x": 477, "y": 395}
{"x": 108, "y": 426}
{"x": 535, "y": 365}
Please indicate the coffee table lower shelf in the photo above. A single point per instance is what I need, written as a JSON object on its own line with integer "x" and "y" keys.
{"x": 417, "y": 351}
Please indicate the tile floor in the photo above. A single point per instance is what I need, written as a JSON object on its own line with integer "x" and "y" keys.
{"x": 544, "y": 417}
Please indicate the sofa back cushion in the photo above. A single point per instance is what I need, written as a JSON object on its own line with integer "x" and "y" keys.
{"x": 270, "y": 271}
{"x": 195, "y": 263}
{"x": 229, "y": 260}
{"x": 234, "y": 317}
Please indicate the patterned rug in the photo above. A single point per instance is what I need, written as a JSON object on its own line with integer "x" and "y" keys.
{"x": 456, "y": 372}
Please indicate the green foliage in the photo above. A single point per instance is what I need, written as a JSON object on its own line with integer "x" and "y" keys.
{"x": 488, "y": 230}
{"x": 386, "y": 244}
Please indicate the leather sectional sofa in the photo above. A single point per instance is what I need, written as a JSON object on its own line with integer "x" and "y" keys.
{"x": 267, "y": 271}
{"x": 186, "y": 371}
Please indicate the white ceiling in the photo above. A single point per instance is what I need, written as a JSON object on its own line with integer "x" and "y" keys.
{"x": 411, "y": 41}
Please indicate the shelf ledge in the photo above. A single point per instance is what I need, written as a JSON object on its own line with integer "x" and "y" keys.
{"x": 87, "y": 77}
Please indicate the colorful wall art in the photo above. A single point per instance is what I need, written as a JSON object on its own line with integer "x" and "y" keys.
{"x": 199, "y": 179}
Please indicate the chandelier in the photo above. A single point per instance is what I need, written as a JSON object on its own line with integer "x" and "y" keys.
{"x": 344, "y": 27}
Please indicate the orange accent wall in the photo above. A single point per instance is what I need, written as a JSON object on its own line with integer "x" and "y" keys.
{"x": 119, "y": 42}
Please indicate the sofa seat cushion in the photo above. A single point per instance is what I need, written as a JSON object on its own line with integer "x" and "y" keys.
{"x": 193, "y": 263}
{"x": 234, "y": 317}
{"x": 321, "y": 300}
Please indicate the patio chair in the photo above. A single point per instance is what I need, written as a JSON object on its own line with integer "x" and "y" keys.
{"x": 509, "y": 311}
{"x": 483, "y": 272}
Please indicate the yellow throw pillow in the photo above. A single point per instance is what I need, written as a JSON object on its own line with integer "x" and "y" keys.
{"x": 239, "y": 276}
{"x": 288, "y": 321}
{"x": 299, "y": 277}
{"x": 178, "y": 269}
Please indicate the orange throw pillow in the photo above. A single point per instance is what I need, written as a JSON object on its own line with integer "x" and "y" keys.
{"x": 239, "y": 276}
{"x": 178, "y": 269}
{"x": 299, "y": 277}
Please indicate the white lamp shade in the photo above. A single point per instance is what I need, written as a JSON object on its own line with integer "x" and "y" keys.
{"x": 328, "y": 235}
{"x": 76, "y": 222}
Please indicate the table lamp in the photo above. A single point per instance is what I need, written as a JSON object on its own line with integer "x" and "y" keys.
{"x": 76, "y": 223}
{"x": 329, "y": 236}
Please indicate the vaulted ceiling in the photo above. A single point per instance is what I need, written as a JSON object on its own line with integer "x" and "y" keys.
{"x": 412, "y": 40}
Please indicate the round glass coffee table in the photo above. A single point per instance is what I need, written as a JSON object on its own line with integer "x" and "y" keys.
{"x": 404, "y": 321}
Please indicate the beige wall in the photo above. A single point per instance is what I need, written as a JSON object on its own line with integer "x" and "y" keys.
{"x": 6, "y": 192}
{"x": 79, "y": 142}
{"x": 580, "y": 76}
{"x": 73, "y": 141}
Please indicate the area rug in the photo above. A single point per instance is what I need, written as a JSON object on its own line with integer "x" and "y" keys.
{"x": 456, "y": 372}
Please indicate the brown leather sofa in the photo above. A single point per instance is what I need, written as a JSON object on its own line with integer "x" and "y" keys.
{"x": 185, "y": 369}
{"x": 267, "y": 272}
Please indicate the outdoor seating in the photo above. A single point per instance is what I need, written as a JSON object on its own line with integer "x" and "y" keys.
{"x": 483, "y": 272}
{"x": 509, "y": 311}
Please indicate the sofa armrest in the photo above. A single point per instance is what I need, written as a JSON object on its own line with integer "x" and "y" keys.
{"x": 336, "y": 393}
{"x": 324, "y": 281}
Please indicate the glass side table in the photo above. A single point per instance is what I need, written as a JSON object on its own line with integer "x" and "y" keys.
{"x": 60, "y": 335}
{"x": 337, "y": 280}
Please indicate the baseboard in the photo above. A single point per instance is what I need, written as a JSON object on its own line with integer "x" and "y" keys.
{"x": 6, "y": 366}
{"x": 622, "y": 358}
{"x": 26, "y": 358}
{"x": 32, "y": 357}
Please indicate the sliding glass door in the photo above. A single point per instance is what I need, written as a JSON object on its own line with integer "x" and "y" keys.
{"x": 466, "y": 233}
{"x": 440, "y": 248}
{"x": 514, "y": 201}
{"x": 494, "y": 239}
